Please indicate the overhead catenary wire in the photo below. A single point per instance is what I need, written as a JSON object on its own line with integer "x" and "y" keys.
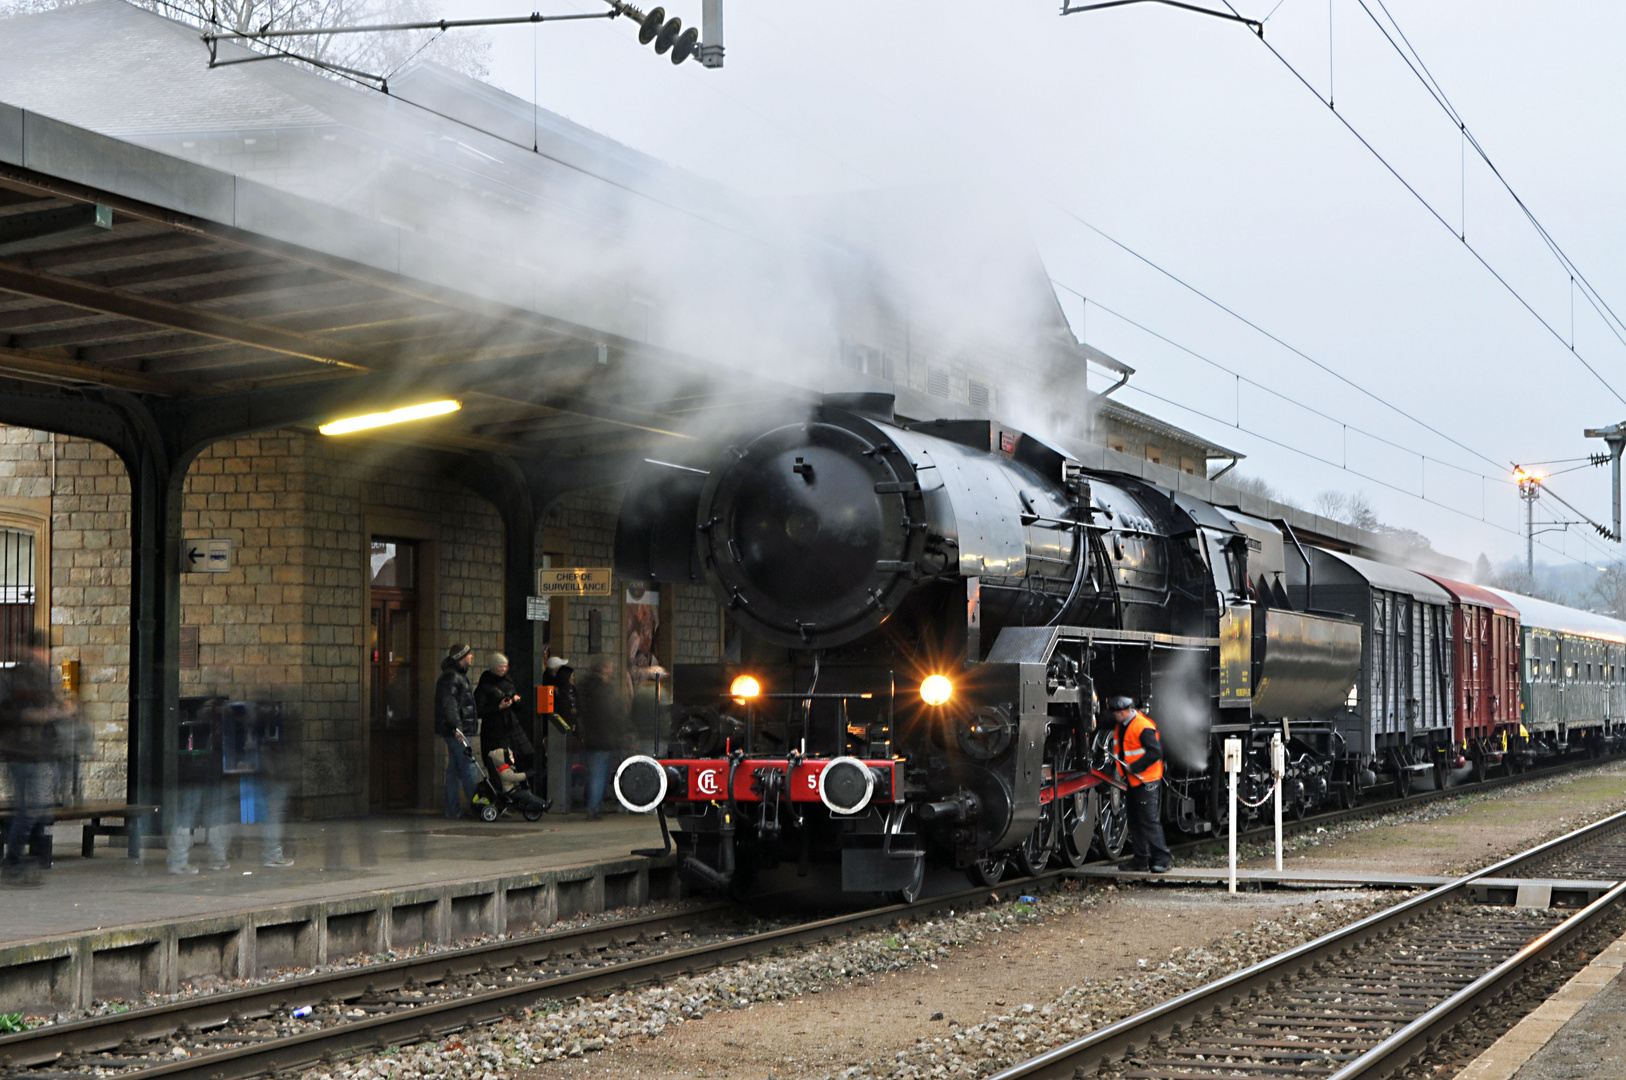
{"x": 1421, "y": 494}
{"x": 1422, "y": 200}
{"x": 1241, "y": 378}
{"x": 1296, "y": 351}
{"x": 1355, "y": 472}
{"x": 1438, "y": 92}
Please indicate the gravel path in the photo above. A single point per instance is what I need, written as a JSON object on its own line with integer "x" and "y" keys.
{"x": 1450, "y": 836}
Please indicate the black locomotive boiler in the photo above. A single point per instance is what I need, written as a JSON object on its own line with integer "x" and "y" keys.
{"x": 926, "y": 615}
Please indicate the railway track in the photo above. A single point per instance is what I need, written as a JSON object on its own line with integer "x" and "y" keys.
{"x": 1370, "y": 999}
{"x": 251, "y": 1032}
{"x": 1292, "y": 826}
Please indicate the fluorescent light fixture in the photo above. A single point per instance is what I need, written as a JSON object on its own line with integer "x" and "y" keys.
{"x": 394, "y": 416}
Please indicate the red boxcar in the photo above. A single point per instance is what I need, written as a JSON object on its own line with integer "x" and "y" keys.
{"x": 1485, "y": 636}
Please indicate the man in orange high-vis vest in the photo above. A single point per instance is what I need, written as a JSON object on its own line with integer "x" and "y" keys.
{"x": 1141, "y": 757}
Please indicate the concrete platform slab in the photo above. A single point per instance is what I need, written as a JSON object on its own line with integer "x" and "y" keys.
{"x": 111, "y": 926}
{"x": 1188, "y": 875}
{"x": 1523, "y": 892}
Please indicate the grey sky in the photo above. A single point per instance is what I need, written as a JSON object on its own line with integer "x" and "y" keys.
{"x": 1183, "y": 136}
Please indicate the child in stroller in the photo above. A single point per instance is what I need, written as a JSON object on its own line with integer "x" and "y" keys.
{"x": 508, "y": 791}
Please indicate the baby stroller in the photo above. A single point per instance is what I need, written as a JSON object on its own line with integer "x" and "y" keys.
{"x": 509, "y": 791}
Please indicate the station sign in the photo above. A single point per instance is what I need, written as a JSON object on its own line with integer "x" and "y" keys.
{"x": 205, "y": 555}
{"x": 573, "y": 581}
{"x": 538, "y": 608}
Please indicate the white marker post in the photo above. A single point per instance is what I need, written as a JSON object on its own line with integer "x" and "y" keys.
{"x": 1233, "y": 766}
{"x": 1278, "y": 766}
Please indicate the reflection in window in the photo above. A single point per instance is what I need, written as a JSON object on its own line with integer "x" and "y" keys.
{"x": 392, "y": 564}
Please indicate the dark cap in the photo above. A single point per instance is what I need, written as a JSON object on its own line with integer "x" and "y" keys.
{"x": 1120, "y": 703}
{"x": 459, "y": 651}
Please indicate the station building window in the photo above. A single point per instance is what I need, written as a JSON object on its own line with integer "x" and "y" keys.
{"x": 18, "y": 594}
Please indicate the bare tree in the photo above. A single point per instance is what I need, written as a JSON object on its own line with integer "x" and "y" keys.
{"x": 1608, "y": 595}
{"x": 381, "y": 54}
{"x": 1352, "y": 509}
{"x": 1253, "y": 485}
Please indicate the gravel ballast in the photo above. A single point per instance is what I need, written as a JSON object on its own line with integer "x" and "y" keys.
{"x": 580, "y": 1028}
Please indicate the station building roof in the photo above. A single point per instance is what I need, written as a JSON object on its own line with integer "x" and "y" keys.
{"x": 176, "y": 231}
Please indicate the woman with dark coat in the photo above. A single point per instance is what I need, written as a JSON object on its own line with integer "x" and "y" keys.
{"x": 500, "y": 725}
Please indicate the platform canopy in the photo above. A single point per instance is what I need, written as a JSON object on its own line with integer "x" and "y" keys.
{"x": 288, "y": 249}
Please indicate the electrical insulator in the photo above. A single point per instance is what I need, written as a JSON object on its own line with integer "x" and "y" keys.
{"x": 686, "y": 45}
{"x": 668, "y": 35}
{"x": 651, "y": 26}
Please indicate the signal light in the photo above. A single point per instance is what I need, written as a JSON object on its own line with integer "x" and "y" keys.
{"x": 743, "y": 688}
{"x": 936, "y": 689}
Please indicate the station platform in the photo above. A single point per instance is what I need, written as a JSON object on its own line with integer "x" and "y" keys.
{"x": 1523, "y": 892}
{"x": 1578, "y": 1032}
{"x": 114, "y": 926}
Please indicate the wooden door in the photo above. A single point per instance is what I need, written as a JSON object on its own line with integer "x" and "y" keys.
{"x": 392, "y": 646}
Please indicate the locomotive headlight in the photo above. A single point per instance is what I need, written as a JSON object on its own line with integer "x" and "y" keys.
{"x": 936, "y": 689}
{"x": 744, "y": 688}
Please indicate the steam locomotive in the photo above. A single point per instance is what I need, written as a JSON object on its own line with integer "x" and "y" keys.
{"x": 926, "y": 616}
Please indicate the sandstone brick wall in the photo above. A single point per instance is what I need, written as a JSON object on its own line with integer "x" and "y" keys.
{"x": 589, "y": 519}
{"x": 89, "y": 539}
{"x": 697, "y": 621}
{"x": 287, "y": 623}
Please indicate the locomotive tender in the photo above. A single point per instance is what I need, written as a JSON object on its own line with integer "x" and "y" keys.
{"x": 927, "y": 614}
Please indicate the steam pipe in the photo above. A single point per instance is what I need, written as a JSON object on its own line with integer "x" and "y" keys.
{"x": 1309, "y": 571}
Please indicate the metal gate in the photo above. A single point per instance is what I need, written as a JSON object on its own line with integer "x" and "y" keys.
{"x": 16, "y": 592}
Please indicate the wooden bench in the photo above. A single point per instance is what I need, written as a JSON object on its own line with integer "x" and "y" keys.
{"x": 94, "y": 815}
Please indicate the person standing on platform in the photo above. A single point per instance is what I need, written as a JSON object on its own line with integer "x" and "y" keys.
{"x": 495, "y": 699}
{"x": 562, "y": 677}
{"x": 29, "y": 713}
{"x": 606, "y": 706}
{"x": 1141, "y": 757}
{"x": 455, "y": 712}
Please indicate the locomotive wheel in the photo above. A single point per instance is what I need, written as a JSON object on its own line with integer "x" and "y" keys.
{"x": 1079, "y": 813}
{"x": 1347, "y": 795}
{"x": 987, "y": 871}
{"x": 1033, "y": 856}
{"x": 1112, "y": 827}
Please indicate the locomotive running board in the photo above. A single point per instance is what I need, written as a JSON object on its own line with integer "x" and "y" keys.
{"x": 1034, "y": 644}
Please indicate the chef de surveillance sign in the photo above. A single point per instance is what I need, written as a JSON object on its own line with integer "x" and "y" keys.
{"x": 573, "y": 581}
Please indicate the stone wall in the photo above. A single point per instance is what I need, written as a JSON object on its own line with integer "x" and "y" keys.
{"x": 288, "y": 621}
{"x": 83, "y": 488}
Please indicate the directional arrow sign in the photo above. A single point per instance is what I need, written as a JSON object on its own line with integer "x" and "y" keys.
{"x": 206, "y": 555}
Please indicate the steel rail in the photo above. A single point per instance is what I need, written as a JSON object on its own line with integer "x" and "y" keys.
{"x": 1398, "y": 1050}
{"x": 432, "y": 1020}
{"x": 1114, "y": 1041}
{"x": 44, "y": 1044}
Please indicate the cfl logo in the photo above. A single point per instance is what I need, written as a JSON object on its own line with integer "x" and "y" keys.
{"x": 709, "y": 782}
